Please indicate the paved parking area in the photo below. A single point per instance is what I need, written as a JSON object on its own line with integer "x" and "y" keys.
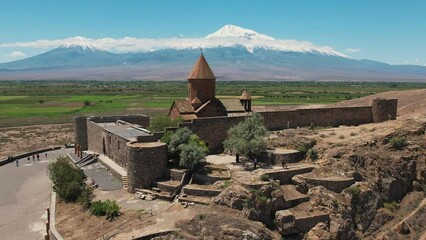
{"x": 24, "y": 197}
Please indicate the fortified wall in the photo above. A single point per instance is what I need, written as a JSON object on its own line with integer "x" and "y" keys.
{"x": 122, "y": 139}
{"x": 213, "y": 130}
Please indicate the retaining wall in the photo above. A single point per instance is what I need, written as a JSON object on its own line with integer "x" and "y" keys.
{"x": 24, "y": 155}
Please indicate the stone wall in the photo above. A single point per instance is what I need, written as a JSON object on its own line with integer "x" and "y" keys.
{"x": 80, "y": 131}
{"x": 138, "y": 119}
{"x": 81, "y": 124}
{"x": 96, "y": 136}
{"x": 336, "y": 184}
{"x": 146, "y": 162}
{"x": 384, "y": 109}
{"x": 214, "y": 130}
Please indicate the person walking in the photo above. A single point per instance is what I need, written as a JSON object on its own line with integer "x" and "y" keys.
{"x": 28, "y": 158}
{"x": 33, "y": 157}
{"x": 38, "y": 157}
{"x": 45, "y": 154}
{"x": 17, "y": 161}
{"x": 255, "y": 163}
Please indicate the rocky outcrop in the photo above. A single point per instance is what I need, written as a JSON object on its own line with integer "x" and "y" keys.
{"x": 235, "y": 197}
{"x": 214, "y": 226}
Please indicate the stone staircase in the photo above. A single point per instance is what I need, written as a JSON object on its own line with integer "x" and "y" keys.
{"x": 125, "y": 182}
{"x": 297, "y": 215}
{"x": 167, "y": 188}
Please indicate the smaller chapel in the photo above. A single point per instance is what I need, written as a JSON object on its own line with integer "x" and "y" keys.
{"x": 202, "y": 102}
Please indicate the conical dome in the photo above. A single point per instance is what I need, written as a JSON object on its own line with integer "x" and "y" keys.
{"x": 201, "y": 70}
{"x": 245, "y": 95}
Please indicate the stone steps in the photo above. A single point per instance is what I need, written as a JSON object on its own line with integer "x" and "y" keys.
{"x": 292, "y": 196}
{"x": 299, "y": 219}
{"x": 125, "y": 182}
{"x": 168, "y": 186}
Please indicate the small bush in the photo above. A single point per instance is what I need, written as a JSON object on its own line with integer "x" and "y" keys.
{"x": 391, "y": 206}
{"x": 264, "y": 177}
{"x": 353, "y": 134}
{"x": 398, "y": 142}
{"x": 341, "y": 137}
{"x": 322, "y": 135}
{"x": 302, "y": 149}
{"x": 312, "y": 154}
{"x": 332, "y": 133}
{"x": 86, "y": 197}
{"x": 108, "y": 208}
{"x": 98, "y": 208}
{"x": 86, "y": 103}
{"x": 41, "y": 101}
{"x": 226, "y": 184}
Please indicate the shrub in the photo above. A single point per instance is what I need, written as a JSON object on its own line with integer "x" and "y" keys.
{"x": 353, "y": 134}
{"x": 68, "y": 181}
{"x": 398, "y": 142}
{"x": 341, "y": 137}
{"x": 180, "y": 137}
{"x": 312, "y": 154}
{"x": 226, "y": 184}
{"x": 98, "y": 208}
{"x": 391, "y": 206}
{"x": 86, "y": 103}
{"x": 302, "y": 149}
{"x": 86, "y": 197}
{"x": 322, "y": 135}
{"x": 41, "y": 101}
{"x": 107, "y": 208}
{"x": 264, "y": 177}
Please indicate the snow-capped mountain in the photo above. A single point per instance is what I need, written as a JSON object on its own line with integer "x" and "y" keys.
{"x": 232, "y": 52}
{"x": 231, "y": 31}
{"x": 80, "y": 42}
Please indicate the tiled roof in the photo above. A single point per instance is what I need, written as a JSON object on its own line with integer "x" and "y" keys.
{"x": 232, "y": 105}
{"x": 184, "y": 106}
{"x": 201, "y": 70}
{"x": 245, "y": 95}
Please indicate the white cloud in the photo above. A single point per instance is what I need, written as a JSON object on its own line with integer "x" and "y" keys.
{"x": 17, "y": 54}
{"x": 415, "y": 62}
{"x": 128, "y": 44}
{"x": 353, "y": 50}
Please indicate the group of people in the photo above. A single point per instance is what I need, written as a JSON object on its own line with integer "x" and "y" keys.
{"x": 34, "y": 156}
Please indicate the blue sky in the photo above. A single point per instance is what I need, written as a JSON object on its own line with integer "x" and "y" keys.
{"x": 389, "y": 31}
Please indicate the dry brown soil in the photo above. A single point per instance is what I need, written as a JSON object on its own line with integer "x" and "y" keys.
{"x": 18, "y": 140}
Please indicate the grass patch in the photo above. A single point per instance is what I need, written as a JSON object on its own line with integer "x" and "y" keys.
{"x": 398, "y": 142}
{"x": 391, "y": 206}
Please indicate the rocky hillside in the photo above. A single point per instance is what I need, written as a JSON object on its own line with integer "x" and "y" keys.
{"x": 387, "y": 162}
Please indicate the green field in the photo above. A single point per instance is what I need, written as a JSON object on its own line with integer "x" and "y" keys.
{"x": 34, "y": 102}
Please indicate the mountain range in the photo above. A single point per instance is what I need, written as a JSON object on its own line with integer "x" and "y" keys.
{"x": 234, "y": 53}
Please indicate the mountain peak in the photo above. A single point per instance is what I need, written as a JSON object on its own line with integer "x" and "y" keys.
{"x": 232, "y": 31}
{"x": 79, "y": 42}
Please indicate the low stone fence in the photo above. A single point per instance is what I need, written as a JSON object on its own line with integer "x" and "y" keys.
{"x": 306, "y": 223}
{"x": 53, "y": 233}
{"x": 200, "y": 191}
{"x": 332, "y": 184}
{"x": 24, "y": 155}
{"x": 285, "y": 175}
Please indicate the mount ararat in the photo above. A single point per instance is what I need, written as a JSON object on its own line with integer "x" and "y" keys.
{"x": 234, "y": 53}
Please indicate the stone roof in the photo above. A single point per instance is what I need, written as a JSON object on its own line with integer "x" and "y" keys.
{"x": 232, "y": 105}
{"x": 245, "y": 95}
{"x": 196, "y": 100}
{"x": 201, "y": 70}
{"x": 184, "y": 106}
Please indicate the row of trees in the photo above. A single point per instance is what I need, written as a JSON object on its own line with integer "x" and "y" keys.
{"x": 246, "y": 138}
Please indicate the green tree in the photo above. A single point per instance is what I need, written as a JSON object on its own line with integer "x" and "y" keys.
{"x": 192, "y": 153}
{"x": 159, "y": 123}
{"x": 247, "y": 138}
{"x": 181, "y": 136}
{"x": 68, "y": 181}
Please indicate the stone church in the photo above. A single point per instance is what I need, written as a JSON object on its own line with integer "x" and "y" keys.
{"x": 202, "y": 102}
